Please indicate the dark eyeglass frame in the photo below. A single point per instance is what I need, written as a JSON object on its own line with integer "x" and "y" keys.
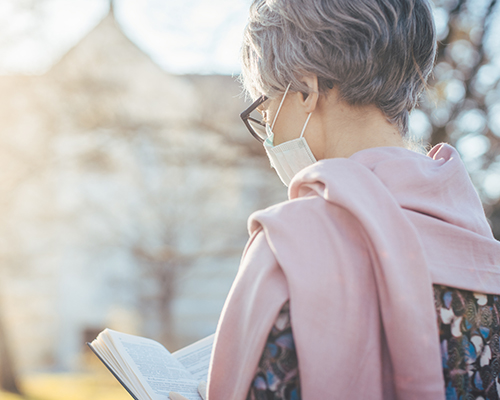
{"x": 245, "y": 116}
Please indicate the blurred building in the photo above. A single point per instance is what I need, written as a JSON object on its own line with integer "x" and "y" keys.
{"x": 125, "y": 194}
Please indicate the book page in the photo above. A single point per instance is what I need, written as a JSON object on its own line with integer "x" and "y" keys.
{"x": 196, "y": 357}
{"x": 155, "y": 367}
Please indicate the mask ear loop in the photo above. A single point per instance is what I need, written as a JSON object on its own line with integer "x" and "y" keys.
{"x": 279, "y": 108}
{"x": 305, "y": 125}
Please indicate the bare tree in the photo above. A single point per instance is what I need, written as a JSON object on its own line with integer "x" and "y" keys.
{"x": 8, "y": 374}
{"x": 464, "y": 93}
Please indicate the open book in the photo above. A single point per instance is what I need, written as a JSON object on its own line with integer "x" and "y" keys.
{"x": 147, "y": 370}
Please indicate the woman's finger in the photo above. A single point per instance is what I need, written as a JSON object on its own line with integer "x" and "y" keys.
{"x": 202, "y": 389}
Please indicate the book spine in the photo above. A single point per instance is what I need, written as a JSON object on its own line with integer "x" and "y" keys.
{"x": 113, "y": 372}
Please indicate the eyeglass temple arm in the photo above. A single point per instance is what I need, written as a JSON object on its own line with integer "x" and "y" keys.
{"x": 245, "y": 114}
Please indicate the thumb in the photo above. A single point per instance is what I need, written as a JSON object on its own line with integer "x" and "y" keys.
{"x": 202, "y": 389}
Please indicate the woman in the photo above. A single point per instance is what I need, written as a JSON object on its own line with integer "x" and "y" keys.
{"x": 340, "y": 288}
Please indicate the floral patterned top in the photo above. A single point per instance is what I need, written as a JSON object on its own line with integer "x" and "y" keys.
{"x": 277, "y": 375}
{"x": 469, "y": 334}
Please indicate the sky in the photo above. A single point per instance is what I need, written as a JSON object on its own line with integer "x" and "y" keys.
{"x": 188, "y": 36}
{"x": 181, "y": 36}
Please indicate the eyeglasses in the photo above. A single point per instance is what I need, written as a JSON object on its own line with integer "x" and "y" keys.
{"x": 253, "y": 120}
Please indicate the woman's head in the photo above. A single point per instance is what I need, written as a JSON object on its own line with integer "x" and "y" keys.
{"x": 374, "y": 52}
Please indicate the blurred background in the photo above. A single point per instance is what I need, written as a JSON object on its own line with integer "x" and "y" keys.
{"x": 126, "y": 176}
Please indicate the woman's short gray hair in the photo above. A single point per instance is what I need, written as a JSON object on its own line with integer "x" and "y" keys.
{"x": 376, "y": 52}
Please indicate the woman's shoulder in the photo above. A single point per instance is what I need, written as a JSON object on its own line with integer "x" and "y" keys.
{"x": 295, "y": 209}
{"x": 306, "y": 219}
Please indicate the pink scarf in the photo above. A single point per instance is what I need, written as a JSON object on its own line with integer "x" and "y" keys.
{"x": 356, "y": 250}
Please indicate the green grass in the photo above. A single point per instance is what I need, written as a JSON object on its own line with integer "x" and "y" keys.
{"x": 96, "y": 386}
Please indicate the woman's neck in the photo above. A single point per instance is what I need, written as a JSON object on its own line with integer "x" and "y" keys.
{"x": 346, "y": 130}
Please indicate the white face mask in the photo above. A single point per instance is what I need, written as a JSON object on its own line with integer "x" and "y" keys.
{"x": 290, "y": 157}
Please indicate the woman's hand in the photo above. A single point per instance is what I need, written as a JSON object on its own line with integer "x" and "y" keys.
{"x": 202, "y": 390}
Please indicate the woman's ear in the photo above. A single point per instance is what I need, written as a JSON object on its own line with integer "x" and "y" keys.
{"x": 310, "y": 100}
